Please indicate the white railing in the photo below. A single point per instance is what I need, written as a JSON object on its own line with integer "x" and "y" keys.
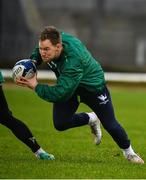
{"x": 109, "y": 76}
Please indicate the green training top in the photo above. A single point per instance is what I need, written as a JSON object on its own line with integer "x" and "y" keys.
{"x": 74, "y": 68}
{"x": 1, "y": 78}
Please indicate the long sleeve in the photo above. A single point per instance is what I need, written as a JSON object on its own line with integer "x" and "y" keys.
{"x": 65, "y": 86}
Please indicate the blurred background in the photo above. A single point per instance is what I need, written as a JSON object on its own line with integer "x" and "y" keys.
{"x": 113, "y": 30}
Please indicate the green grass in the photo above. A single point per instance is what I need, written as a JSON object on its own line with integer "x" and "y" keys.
{"x": 76, "y": 155}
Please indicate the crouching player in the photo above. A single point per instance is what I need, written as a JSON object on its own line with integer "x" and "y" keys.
{"x": 80, "y": 78}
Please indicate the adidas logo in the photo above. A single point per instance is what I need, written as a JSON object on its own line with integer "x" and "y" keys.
{"x": 32, "y": 139}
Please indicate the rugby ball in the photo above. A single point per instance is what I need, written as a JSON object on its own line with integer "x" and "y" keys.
{"x": 25, "y": 68}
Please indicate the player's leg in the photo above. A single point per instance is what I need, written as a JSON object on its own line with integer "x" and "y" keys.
{"x": 102, "y": 106}
{"x": 64, "y": 116}
{"x": 19, "y": 129}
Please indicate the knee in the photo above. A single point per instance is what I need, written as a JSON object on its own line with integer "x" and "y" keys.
{"x": 59, "y": 126}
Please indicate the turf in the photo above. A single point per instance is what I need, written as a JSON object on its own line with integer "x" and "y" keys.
{"x": 76, "y": 155}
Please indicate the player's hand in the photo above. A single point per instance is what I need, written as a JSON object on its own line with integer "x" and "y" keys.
{"x": 30, "y": 83}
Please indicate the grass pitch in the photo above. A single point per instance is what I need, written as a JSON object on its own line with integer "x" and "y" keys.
{"x": 76, "y": 155}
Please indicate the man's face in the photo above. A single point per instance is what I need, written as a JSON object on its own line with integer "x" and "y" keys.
{"x": 49, "y": 51}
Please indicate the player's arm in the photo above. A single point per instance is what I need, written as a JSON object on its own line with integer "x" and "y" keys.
{"x": 66, "y": 84}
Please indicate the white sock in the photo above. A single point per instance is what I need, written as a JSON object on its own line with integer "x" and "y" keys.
{"x": 128, "y": 151}
{"x": 92, "y": 117}
{"x": 39, "y": 151}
